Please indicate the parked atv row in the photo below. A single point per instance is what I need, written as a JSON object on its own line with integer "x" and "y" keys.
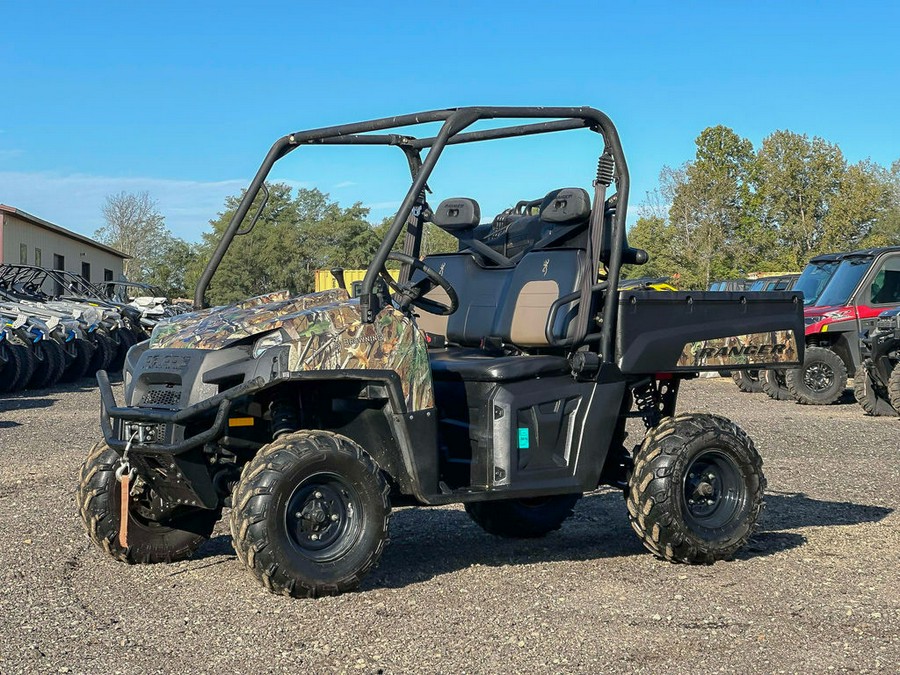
{"x": 55, "y": 327}
{"x": 850, "y": 304}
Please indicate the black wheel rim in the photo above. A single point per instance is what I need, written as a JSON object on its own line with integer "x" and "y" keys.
{"x": 818, "y": 376}
{"x": 324, "y": 517}
{"x": 714, "y": 493}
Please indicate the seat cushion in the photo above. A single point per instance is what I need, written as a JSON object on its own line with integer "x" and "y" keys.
{"x": 474, "y": 365}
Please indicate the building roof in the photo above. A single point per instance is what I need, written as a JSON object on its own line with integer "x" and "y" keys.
{"x": 40, "y": 222}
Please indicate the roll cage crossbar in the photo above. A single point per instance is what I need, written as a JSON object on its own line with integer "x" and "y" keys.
{"x": 612, "y": 167}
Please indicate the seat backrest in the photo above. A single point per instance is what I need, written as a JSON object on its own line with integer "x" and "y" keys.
{"x": 511, "y": 303}
{"x": 480, "y": 290}
{"x": 540, "y": 278}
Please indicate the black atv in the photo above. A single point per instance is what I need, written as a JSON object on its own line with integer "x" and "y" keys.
{"x": 499, "y": 376}
{"x": 876, "y": 384}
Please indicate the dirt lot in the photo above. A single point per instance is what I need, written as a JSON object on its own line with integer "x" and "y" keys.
{"x": 818, "y": 589}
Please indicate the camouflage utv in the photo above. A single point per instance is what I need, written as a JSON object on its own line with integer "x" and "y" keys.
{"x": 499, "y": 376}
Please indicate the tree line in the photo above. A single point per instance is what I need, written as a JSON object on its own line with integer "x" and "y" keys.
{"x": 295, "y": 234}
{"x": 734, "y": 209}
{"x": 731, "y": 210}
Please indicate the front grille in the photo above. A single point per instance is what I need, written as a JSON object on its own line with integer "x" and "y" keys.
{"x": 165, "y": 394}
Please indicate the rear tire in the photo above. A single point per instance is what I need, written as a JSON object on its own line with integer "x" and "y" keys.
{"x": 696, "y": 490}
{"x": 522, "y": 518}
{"x": 748, "y": 381}
{"x": 820, "y": 380}
{"x": 311, "y": 514}
{"x": 893, "y": 388}
{"x": 775, "y": 385}
{"x": 148, "y": 542}
{"x": 872, "y": 398}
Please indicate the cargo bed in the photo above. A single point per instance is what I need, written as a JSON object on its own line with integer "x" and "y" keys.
{"x": 684, "y": 331}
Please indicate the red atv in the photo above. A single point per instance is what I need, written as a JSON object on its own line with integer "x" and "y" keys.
{"x": 865, "y": 284}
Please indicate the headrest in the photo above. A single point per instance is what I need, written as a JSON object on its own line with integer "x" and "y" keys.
{"x": 458, "y": 213}
{"x": 566, "y": 206}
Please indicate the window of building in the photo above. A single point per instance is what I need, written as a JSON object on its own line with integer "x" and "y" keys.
{"x": 86, "y": 271}
{"x": 23, "y": 254}
{"x": 107, "y": 275}
{"x": 37, "y": 256}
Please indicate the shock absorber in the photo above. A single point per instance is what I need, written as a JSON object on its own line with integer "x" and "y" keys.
{"x": 285, "y": 415}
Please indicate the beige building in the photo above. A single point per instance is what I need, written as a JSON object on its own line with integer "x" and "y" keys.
{"x": 29, "y": 240}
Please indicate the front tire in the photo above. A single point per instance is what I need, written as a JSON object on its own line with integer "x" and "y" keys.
{"x": 51, "y": 359}
{"x": 696, "y": 490}
{"x": 820, "y": 380}
{"x": 872, "y": 398}
{"x": 311, "y": 514}
{"x": 148, "y": 542}
{"x": 748, "y": 381}
{"x": 10, "y": 366}
{"x": 894, "y": 388}
{"x": 774, "y": 384}
{"x": 78, "y": 357}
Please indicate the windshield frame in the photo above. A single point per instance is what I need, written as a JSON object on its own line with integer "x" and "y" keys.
{"x": 811, "y": 272}
{"x": 852, "y": 269}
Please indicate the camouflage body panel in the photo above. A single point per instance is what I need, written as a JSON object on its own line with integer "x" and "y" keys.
{"x": 324, "y": 332}
{"x": 775, "y": 347}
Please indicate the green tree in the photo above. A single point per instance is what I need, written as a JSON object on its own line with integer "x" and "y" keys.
{"x": 294, "y": 236}
{"x": 885, "y": 230}
{"x": 659, "y": 238}
{"x": 134, "y": 226}
{"x": 170, "y": 268}
{"x": 798, "y": 178}
{"x": 710, "y": 206}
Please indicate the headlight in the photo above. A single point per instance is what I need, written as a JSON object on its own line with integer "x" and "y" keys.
{"x": 809, "y": 320}
{"x": 267, "y": 342}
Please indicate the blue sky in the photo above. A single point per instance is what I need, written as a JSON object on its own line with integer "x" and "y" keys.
{"x": 184, "y": 99}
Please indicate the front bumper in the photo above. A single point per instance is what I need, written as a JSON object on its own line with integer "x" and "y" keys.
{"x": 161, "y": 432}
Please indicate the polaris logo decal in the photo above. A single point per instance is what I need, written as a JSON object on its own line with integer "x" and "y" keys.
{"x": 775, "y": 347}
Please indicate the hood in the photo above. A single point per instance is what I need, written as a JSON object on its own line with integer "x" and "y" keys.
{"x": 223, "y": 326}
{"x": 822, "y": 311}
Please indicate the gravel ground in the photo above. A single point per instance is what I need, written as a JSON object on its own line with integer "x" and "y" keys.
{"x": 817, "y": 589}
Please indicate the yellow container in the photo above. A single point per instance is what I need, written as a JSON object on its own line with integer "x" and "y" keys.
{"x": 325, "y": 279}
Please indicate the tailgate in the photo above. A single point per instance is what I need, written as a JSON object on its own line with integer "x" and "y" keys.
{"x": 688, "y": 331}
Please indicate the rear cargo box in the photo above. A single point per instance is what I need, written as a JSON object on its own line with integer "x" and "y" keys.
{"x": 685, "y": 331}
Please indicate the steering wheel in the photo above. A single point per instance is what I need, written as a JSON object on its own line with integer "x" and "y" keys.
{"x": 410, "y": 293}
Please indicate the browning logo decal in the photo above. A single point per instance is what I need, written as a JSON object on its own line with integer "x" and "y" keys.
{"x": 777, "y": 347}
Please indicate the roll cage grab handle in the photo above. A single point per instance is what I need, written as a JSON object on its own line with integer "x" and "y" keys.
{"x": 455, "y": 120}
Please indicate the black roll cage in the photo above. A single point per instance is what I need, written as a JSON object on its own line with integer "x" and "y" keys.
{"x": 611, "y": 167}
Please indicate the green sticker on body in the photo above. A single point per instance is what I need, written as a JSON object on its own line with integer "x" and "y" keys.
{"x": 523, "y": 438}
